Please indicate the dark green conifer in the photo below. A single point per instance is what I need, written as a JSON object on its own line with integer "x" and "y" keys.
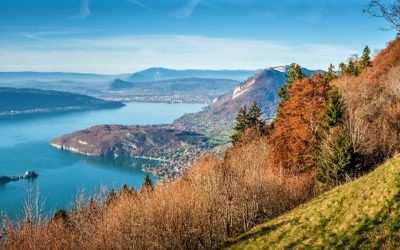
{"x": 365, "y": 58}
{"x": 334, "y": 110}
{"x": 337, "y": 161}
{"x": 294, "y": 73}
{"x": 255, "y": 116}
{"x": 246, "y": 119}
{"x": 351, "y": 68}
{"x": 242, "y": 122}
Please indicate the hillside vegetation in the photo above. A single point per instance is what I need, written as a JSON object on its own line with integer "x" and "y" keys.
{"x": 362, "y": 214}
{"x": 335, "y": 128}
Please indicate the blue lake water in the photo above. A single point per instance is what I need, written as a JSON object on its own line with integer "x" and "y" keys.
{"x": 62, "y": 175}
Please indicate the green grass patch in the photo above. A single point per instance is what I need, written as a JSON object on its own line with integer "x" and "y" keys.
{"x": 363, "y": 214}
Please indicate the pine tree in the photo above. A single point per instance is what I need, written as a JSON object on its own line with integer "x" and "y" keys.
{"x": 338, "y": 159}
{"x": 334, "y": 110}
{"x": 246, "y": 119}
{"x": 342, "y": 69}
{"x": 147, "y": 183}
{"x": 351, "y": 68}
{"x": 242, "y": 122}
{"x": 255, "y": 116}
{"x": 365, "y": 58}
{"x": 330, "y": 74}
{"x": 294, "y": 73}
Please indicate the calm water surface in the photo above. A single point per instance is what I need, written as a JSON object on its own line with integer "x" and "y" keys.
{"x": 24, "y": 146}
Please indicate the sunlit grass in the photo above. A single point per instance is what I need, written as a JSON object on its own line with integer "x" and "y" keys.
{"x": 361, "y": 214}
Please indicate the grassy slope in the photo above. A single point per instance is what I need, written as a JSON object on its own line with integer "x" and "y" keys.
{"x": 361, "y": 214}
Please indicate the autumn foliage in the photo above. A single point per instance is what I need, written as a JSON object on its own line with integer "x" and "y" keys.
{"x": 258, "y": 179}
{"x": 372, "y": 106}
{"x": 295, "y": 133}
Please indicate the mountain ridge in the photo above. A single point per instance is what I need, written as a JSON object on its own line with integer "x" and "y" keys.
{"x": 15, "y": 101}
{"x": 218, "y": 118}
{"x": 159, "y": 73}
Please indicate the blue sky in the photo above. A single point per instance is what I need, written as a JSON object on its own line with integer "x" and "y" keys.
{"x": 120, "y": 36}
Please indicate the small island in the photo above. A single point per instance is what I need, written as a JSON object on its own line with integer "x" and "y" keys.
{"x": 28, "y": 175}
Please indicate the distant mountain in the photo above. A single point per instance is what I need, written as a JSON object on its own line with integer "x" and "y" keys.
{"x": 119, "y": 84}
{"x": 156, "y": 74}
{"x": 201, "y": 84}
{"x": 86, "y": 84}
{"x": 22, "y": 101}
{"x": 219, "y": 117}
{"x": 57, "y": 76}
{"x": 182, "y": 86}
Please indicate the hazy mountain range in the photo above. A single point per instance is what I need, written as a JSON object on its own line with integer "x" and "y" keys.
{"x": 201, "y": 84}
{"x": 156, "y": 74}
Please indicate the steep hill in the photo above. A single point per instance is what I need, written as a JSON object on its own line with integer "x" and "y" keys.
{"x": 156, "y": 74}
{"x": 16, "y": 101}
{"x": 217, "y": 119}
{"x": 361, "y": 214}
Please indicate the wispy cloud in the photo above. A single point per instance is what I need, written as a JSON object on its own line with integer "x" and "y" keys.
{"x": 138, "y": 3}
{"x": 186, "y": 10}
{"x": 34, "y": 37}
{"x": 131, "y": 53}
{"x": 84, "y": 10}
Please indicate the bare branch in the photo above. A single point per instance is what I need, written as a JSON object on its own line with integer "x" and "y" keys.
{"x": 389, "y": 11}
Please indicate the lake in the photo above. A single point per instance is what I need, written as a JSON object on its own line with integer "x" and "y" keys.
{"x": 62, "y": 175}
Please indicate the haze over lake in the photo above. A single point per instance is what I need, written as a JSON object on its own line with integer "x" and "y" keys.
{"x": 24, "y": 146}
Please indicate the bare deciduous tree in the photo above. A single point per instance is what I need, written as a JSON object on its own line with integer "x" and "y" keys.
{"x": 389, "y": 11}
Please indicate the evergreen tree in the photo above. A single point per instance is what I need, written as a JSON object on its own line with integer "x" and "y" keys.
{"x": 147, "y": 183}
{"x": 351, "y": 68}
{"x": 337, "y": 160}
{"x": 342, "y": 69}
{"x": 365, "y": 58}
{"x": 294, "y": 73}
{"x": 242, "y": 122}
{"x": 246, "y": 119}
{"x": 255, "y": 116}
{"x": 334, "y": 110}
{"x": 330, "y": 74}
